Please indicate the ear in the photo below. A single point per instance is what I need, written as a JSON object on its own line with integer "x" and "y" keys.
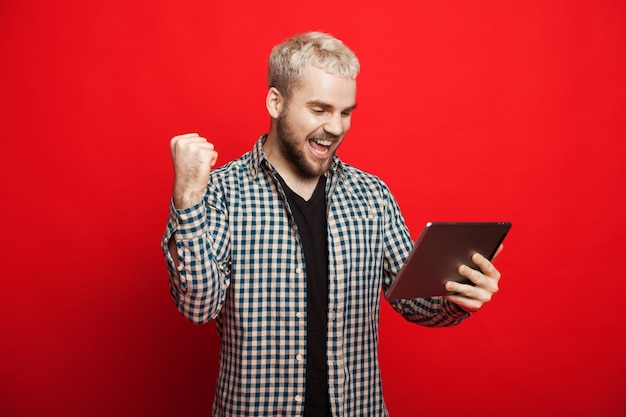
{"x": 274, "y": 102}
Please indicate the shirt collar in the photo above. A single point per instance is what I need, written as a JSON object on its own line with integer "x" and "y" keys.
{"x": 258, "y": 159}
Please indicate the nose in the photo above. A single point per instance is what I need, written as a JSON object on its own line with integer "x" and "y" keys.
{"x": 334, "y": 125}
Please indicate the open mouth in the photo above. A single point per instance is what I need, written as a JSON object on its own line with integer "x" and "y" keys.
{"x": 320, "y": 147}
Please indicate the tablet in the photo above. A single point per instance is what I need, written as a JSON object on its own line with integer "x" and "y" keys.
{"x": 439, "y": 251}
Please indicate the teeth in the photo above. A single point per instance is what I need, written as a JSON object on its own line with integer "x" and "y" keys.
{"x": 324, "y": 142}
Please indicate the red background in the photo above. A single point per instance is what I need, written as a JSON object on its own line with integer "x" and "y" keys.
{"x": 469, "y": 110}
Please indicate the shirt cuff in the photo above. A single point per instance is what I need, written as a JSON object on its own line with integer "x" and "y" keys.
{"x": 453, "y": 310}
{"x": 190, "y": 222}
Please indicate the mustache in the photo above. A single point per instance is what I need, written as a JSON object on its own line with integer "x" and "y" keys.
{"x": 325, "y": 136}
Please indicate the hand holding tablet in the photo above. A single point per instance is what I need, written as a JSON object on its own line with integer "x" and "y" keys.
{"x": 439, "y": 252}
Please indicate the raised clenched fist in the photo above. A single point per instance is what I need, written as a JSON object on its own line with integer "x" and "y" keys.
{"x": 193, "y": 157}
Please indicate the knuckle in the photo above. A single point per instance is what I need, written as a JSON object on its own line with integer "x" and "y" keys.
{"x": 174, "y": 142}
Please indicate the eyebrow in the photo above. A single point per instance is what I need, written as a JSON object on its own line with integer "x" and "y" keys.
{"x": 327, "y": 106}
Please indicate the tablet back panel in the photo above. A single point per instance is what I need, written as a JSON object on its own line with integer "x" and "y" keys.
{"x": 438, "y": 252}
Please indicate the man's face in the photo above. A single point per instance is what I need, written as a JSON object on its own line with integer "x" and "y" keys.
{"x": 314, "y": 121}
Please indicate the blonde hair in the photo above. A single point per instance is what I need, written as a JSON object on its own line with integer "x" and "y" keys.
{"x": 313, "y": 48}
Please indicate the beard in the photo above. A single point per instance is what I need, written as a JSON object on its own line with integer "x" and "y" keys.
{"x": 291, "y": 148}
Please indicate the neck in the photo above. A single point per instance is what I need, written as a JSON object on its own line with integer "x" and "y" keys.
{"x": 304, "y": 187}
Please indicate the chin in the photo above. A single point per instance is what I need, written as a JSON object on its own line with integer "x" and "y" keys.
{"x": 321, "y": 169}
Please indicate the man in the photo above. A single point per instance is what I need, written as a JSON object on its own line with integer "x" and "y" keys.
{"x": 289, "y": 248}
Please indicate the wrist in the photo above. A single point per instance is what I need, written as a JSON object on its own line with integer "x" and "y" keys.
{"x": 186, "y": 200}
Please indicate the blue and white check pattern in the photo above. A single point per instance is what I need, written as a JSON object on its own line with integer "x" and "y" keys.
{"x": 241, "y": 263}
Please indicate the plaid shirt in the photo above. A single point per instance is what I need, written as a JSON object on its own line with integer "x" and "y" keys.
{"x": 241, "y": 262}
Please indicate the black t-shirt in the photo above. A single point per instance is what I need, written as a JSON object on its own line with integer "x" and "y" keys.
{"x": 310, "y": 216}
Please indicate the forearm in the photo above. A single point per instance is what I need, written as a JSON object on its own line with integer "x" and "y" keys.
{"x": 198, "y": 278}
{"x": 430, "y": 312}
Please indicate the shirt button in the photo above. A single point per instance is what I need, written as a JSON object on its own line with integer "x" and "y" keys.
{"x": 299, "y": 314}
{"x": 299, "y": 357}
{"x": 298, "y": 270}
{"x": 298, "y": 398}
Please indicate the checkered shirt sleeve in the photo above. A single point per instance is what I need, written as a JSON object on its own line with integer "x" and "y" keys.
{"x": 241, "y": 263}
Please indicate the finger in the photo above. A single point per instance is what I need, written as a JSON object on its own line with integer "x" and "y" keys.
{"x": 485, "y": 266}
{"x": 177, "y": 138}
{"x": 194, "y": 143}
{"x": 186, "y": 136}
{"x": 468, "y": 305}
{"x": 481, "y": 280}
{"x": 472, "y": 293}
{"x": 213, "y": 159}
{"x": 473, "y": 275}
{"x": 464, "y": 290}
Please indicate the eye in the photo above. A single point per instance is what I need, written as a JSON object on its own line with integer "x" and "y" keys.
{"x": 317, "y": 110}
